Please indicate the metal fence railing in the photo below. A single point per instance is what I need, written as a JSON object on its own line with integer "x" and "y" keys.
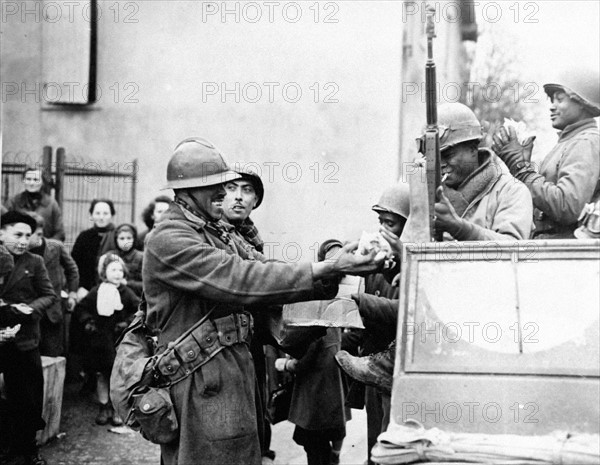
{"x": 75, "y": 183}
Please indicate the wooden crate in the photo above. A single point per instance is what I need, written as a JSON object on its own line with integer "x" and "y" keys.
{"x": 54, "y": 380}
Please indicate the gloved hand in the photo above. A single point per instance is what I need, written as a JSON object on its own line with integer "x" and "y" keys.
{"x": 446, "y": 218}
{"x": 509, "y": 149}
{"x": 90, "y": 327}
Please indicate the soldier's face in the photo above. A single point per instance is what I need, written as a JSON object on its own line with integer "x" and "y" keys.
{"x": 241, "y": 198}
{"x": 458, "y": 162}
{"x": 392, "y": 222}
{"x": 209, "y": 200}
{"x": 565, "y": 111}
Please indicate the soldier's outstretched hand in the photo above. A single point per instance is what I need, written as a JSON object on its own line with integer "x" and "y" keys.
{"x": 346, "y": 261}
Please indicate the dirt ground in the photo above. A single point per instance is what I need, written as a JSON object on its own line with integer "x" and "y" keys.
{"x": 82, "y": 442}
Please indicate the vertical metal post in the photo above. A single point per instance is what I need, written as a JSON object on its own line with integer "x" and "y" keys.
{"x": 46, "y": 169}
{"x": 60, "y": 176}
{"x": 134, "y": 180}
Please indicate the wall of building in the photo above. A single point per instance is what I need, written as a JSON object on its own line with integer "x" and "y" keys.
{"x": 169, "y": 70}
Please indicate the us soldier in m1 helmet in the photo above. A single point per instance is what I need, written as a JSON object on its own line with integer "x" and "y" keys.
{"x": 196, "y": 271}
{"x": 568, "y": 177}
{"x": 479, "y": 200}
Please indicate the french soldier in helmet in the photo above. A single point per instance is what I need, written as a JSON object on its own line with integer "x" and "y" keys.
{"x": 197, "y": 274}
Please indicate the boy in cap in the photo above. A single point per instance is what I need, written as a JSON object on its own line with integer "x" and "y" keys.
{"x": 29, "y": 293}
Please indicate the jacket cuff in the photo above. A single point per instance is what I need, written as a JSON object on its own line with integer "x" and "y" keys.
{"x": 525, "y": 173}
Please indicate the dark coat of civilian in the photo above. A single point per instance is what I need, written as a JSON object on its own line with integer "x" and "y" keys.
{"x": 63, "y": 273}
{"x": 89, "y": 246}
{"x": 318, "y": 398}
{"x": 29, "y": 284}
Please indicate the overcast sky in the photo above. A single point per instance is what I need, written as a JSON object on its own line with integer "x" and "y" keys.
{"x": 566, "y": 33}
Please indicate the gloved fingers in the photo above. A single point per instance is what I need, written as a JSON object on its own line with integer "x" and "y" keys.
{"x": 512, "y": 133}
{"x": 501, "y": 136}
{"x": 498, "y": 142}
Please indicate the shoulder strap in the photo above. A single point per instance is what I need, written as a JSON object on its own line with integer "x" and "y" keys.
{"x": 143, "y": 307}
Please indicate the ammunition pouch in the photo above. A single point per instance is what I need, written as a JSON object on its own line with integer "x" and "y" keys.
{"x": 200, "y": 345}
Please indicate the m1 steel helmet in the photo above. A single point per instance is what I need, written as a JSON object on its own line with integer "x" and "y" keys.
{"x": 457, "y": 123}
{"x": 582, "y": 85}
{"x": 197, "y": 163}
{"x": 395, "y": 199}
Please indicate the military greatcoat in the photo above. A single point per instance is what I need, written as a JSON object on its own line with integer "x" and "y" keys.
{"x": 189, "y": 268}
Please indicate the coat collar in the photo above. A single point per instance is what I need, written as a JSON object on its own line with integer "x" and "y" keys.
{"x": 478, "y": 183}
{"x": 573, "y": 129}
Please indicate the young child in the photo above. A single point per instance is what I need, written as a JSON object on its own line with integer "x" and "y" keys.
{"x": 27, "y": 293}
{"x": 104, "y": 313}
{"x": 125, "y": 239}
{"x": 317, "y": 404}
